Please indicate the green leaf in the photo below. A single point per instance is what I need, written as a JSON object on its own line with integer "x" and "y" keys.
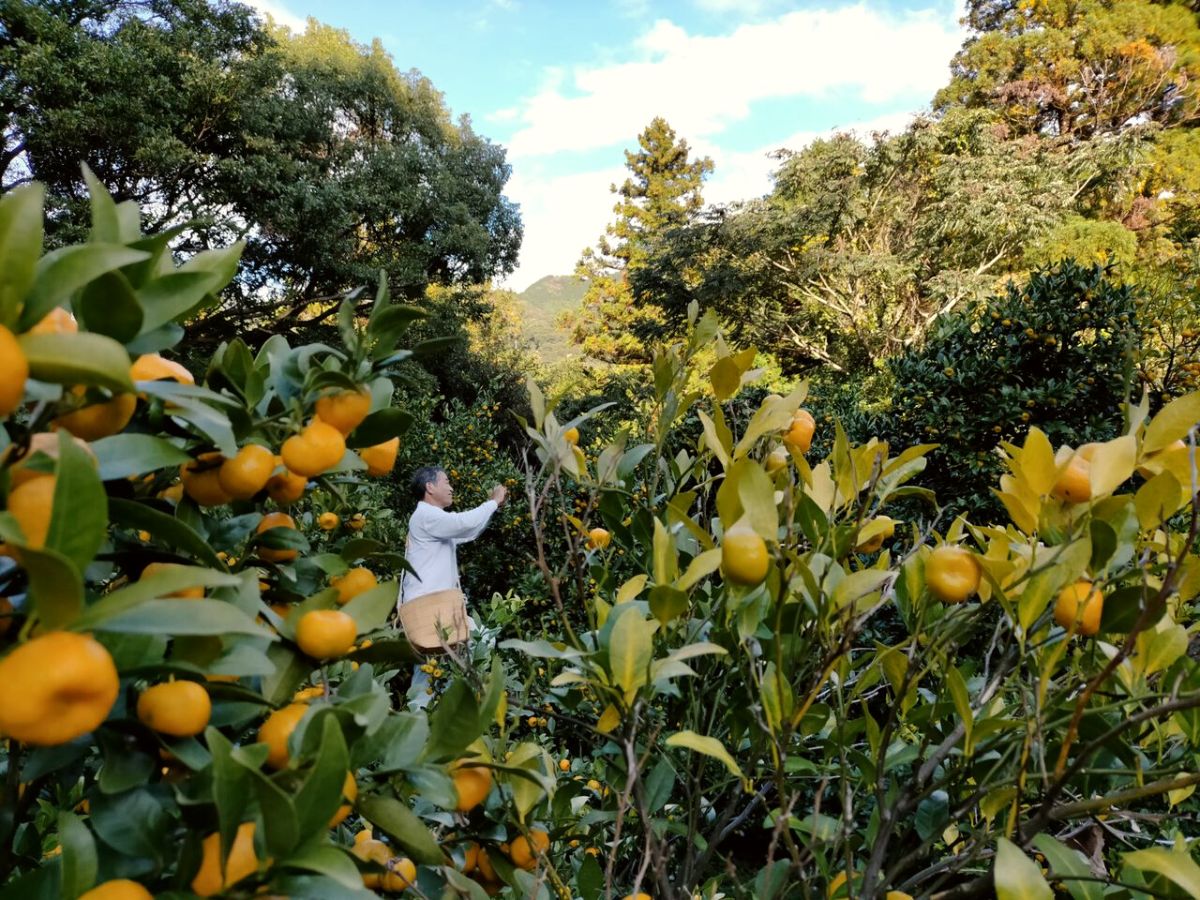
{"x": 132, "y": 822}
{"x": 1016, "y": 876}
{"x": 1069, "y": 867}
{"x": 173, "y": 296}
{"x": 79, "y": 521}
{"x": 55, "y": 584}
{"x": 152, "y": 587}
{"x": 527, "y": 772}
{"x": 717, "y": 440}
{"x": 454, "y": 723}
{"x": 380, "y": 427}
{"x": 184, "y": 617}
{"x": 230, "y": 791}
{"x": 401, "y": 825}
{"x": 82, "y": 358}
{"x": 110, "y": 307}
{"x": 124, "y": 766}
{"x": 166, "y": 528}
{"x": 20, "y": 246}
{"x": 372, "y": 608}
{"x": 279, "y": 814}
{"x": 664, "y": 557}
{"x": 1172, "y": 423}
{"x": 667, "y": 603}
{"x": 122, "y": 455}
{"x": 106, "y": 221}
{"x": 79, "y": 862}
{"x": 320, "y": 794}
{"x": 1176, "y": 866}
{"x": 857, "y": 585}
{"x": 630, "y": 645}
{"x": 222, "y": 263}
{"x": 60, "y": 273}
{"x": 708, "y": 746}
{"x": 332, "y": 862}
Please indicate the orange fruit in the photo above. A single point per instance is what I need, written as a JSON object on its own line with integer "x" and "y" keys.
{"x": 32, "y": 505}
{"x": 44, "y": 442}
{"x": 564, "y": 765}
{"x": 247, "y": 473}
{"x": 98, "y": 420}
{"x": 177, "y": 708}
{"x": 599, "y": 538}
{"x": 952, "y": 573}
{"x": 356, "y": 522}
{"x": 14, "y": 372}
{"x": 316, "y": 449}
{"x": 744, "y": 558}
{"x": 368, "y": 849}
{"x": 328, "y": 521}
{"x": 484, "y": 864}
{"x": 153, "y": 367}
{"x": 350, "y": 794}
{"x": 353, "y": 583}
{"x": 242, "y": 862}
{"x": 276, "y": 520}
{"x": 800, "y": 433}
{"x": 1074, "y": 484}
{"x": 58, "y": 321}
{"x": 191, "y": 593}
{"x": 571, "y": 435}
{"x": 344, "y": 410}
{"x": 286, "y": 487}
{"x": 472, "y": 784}
{"x": 525, "y": 851}
{"x": 117, "y": 889}
{"x": 276, "y": 730}
{"x": 470, "y": 858}
{"x": 638, "y": 896}
{"x": 401, "y": 875}
{"x": 55, "y": 688}
{"x": 380, "y": 458}
{"x": 326, "y": 633}
{"x": 201, "y": 480}
{"x": 1079, "y": 607}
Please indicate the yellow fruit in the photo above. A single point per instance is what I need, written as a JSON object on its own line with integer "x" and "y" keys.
{"x": 952, "y": 573}
{"x": 524, "y": 851}
{"x": 286, "y": 487}
{"x": 316, "y": 449}
{"x": 874, "y": 543}
{"x": 350, "y": 794}
{"x": 328, "y": 521}
{"x": 401, "y": 875}
{"x": 564, "y": 765}
{"x": 470, "y": 858}
{"x": 201, "y": 480}
{"x": 247, "y": 473}
{"x": 571, "y": 435}
{"x": 800, "y": 434}
{"x": 777, "y": 459}
{"x": 277, "y": 729}
{"x": 55, "y": 688}
{"x": 640, "y": 895}
{"x": 98, "y": 420}
{"x": 344, "y": 410}
{"x": 1074, "y": 485}
{"x": 1079, "y": 607}
{"x": 370, "y": 850}
{"x": 744, "y": 558}
{"x": 306, "y": 694}
{"x": 326, "y": 633}
{"x": 353, "y": 583}
{"x": 242, "y": 862}
{"x": 152, "y": 367}
{"x": 44, "y": 442}
{"x": 14, "y": 372}
{"x": 32, "y": 505}
{"x": 177, "y": 708}
{"x": 357, "y": 522}
{"x": 897, "y": 895}
{"x": 380, "y": 458}
{"x": 58, "y": 321}
{"x": 118, "y": 889}
{"x": 192, "y": 593}
{"x": 276, "y": 520}
{"x": 599, "y": 538}
{"x": 472, "y": 784}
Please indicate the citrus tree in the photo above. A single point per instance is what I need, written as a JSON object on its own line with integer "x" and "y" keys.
{"x": 796, "y": 695}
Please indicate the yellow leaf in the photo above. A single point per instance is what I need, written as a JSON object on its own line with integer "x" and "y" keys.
{"x": 1172, "y": 423}
{"x": 1037, "y": 462}
{"x": 631, "y": 588}
{"x": 709, "y": 746}
{"x": 609, "y": 719}
{"x": 1112, "y": 464}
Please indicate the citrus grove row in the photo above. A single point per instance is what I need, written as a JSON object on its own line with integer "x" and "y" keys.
{"x": 765, "y": 673}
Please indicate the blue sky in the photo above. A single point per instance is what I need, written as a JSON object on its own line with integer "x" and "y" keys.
{"x": 567, "y": 86}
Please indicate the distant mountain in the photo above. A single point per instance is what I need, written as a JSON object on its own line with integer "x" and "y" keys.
{"x": 542, "y": 303}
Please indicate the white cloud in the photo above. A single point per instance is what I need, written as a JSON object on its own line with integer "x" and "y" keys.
{"x": 564, "y": 214}
{"x": 703, "y": 84}
{"x": 281, "y": 14}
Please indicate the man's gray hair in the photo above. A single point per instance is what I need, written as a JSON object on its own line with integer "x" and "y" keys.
{"x": 423, "y": 476}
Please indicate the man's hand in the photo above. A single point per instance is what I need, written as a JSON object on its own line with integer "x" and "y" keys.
{"x": 499, "y": 494}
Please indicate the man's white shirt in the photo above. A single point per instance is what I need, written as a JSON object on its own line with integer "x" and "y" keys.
{"x": 433, "y": 539}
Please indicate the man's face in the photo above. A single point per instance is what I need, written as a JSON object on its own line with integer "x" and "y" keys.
{"x": 440, "y": 492}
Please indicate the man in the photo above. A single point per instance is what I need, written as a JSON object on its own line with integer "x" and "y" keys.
{"x": 432, "y": 547}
